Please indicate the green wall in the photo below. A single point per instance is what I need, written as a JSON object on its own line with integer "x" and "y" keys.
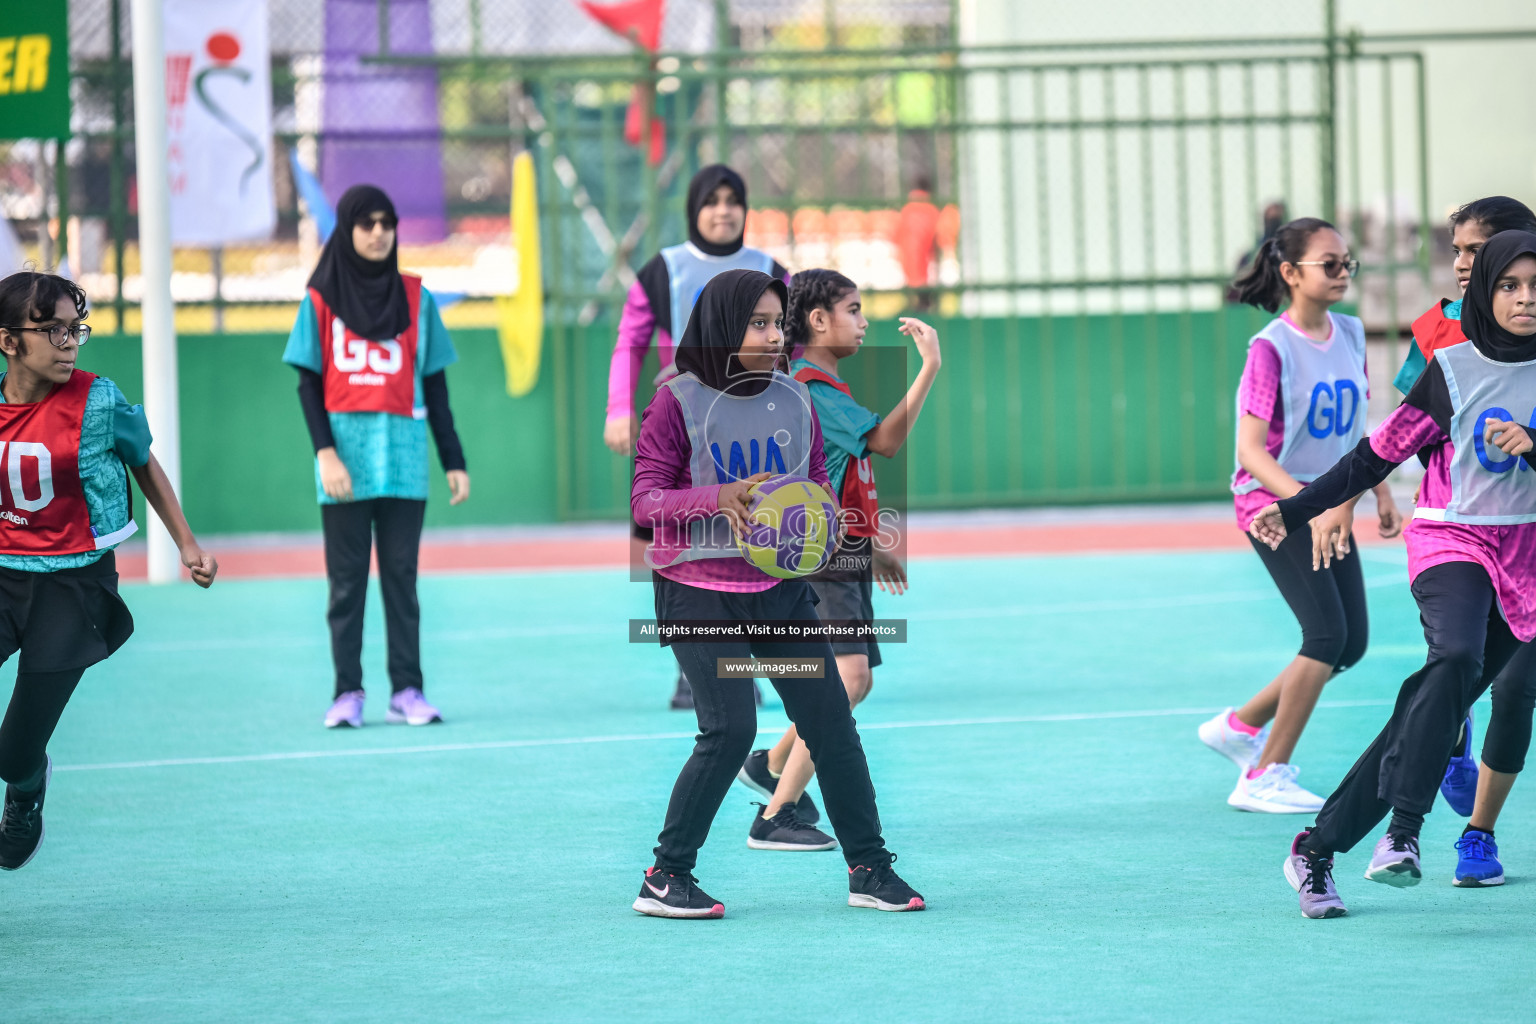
{"x": 1025, "y": 411}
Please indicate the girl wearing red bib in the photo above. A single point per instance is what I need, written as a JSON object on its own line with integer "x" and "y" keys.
{"x": 371, "y": 352}
{"x": 67, "y": 441}
{"x": 826, "y": 319}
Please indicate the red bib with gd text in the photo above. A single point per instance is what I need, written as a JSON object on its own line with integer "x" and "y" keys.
{"x": 364, "y": 375}
{"x": 860, "y": 505}
{"x": 42, "y": 504}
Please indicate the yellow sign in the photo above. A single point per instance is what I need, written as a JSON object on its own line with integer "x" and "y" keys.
{"x": 34, "y": 69}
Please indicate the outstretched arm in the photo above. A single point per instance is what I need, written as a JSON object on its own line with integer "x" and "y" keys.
{"x": 892, "y": 432}
{"x": 161, "y": 496}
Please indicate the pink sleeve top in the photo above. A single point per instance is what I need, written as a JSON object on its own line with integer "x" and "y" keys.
{"x": 1507, "y": 553}
{"x": 636, "y": 326}
{"x": 663, "y": 497}
{"x": 1258, "y": 394}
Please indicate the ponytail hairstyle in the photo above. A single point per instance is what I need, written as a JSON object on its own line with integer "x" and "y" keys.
{"x": 35, "y": 297}
{"x": 1495, "y": 214}
{"x": 1259, "y": 283}
{"x": 808, "y": 290}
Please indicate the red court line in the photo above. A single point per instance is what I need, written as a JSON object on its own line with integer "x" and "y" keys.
{"x": 306, "y": 558}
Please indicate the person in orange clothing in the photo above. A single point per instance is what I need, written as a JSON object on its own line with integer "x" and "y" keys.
{"x": 916, "y": 233}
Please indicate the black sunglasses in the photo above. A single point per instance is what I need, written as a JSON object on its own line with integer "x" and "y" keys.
{"x": 367, "y": 223}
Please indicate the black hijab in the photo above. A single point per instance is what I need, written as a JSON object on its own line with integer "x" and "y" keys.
{"x": 719, "y": 321}
{"x": 369, "y": 297}
{"x": 654, "y": 278}
{"x": 700, "y": 189}
{"x": 1477, "y": 319}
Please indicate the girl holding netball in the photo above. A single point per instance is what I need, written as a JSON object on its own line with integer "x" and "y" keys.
{"x": 371, "y": 352}
{"x": 1471, "y": 560}
{"x": 1479, "y": 794}
{"x": 1301, "y": 406}
{"x": 69, "y": 440}
{"x": 728, "y": 393}
{"x": 826, "y": 321}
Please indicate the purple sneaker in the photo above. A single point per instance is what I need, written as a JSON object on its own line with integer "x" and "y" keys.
{"x": 1396, "y": 861}
{"x": 410, "y": 707}
{"x": 347, "y": 710}
{"x": 1312, "y": 877}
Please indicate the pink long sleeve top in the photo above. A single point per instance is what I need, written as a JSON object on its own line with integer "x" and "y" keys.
{"x": 663, "y": 497}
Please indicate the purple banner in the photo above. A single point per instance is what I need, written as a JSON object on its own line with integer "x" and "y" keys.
{"x": 380, "y": 123}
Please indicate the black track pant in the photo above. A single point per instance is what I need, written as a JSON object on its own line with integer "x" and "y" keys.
{"x": 1469, "y": 644}
{"x": 727, "y": 715}
{"x": 1329, "y": 604}
{"x": 1507, "y": 738}
{"x": 36, "y": 705}
{"x": 350, "y": 531}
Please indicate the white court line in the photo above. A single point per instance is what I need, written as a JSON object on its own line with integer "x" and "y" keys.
{"x": 568, "y": 741}
{"x": 610, "y": 630}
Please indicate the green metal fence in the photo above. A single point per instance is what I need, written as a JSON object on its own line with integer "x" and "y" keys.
{"x": 1106, "y": 192}
{"x": 1105, "y": 204}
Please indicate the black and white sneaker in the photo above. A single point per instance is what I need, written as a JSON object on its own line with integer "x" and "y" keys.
{"x": 755, "y": 776}
{"x": 880, "y": 888}
{"x": 785, "y": 831}
{"x": 21, "y": 824}
{"x": 664, "y": 895}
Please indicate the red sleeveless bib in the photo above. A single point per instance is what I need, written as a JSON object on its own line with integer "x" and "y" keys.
{"x": 363, "y": 375}
{"x": 1434, "y": 331}
{"x": 861, "y": 507}
{"x": 42, "y": 503}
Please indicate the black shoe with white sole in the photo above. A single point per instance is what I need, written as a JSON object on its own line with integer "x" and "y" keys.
{"x": 755, "y": 776}
{"x": 665, "y": 895}
{"x": 785, "y": 831}
{"x": 21, "y": 824}
{"x": 880, "y": 888}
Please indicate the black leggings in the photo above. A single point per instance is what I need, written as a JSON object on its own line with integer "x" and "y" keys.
{"x": 727, "y": 714}
{"x": 1469, "y": 644}
{"x": 36, "y": 705}
{"x": 1328, "y": 603}
{"x": 1508, "y": 734}
{"x": 350, "y": 530}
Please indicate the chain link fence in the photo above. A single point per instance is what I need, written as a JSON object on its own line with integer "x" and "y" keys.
{"x": 484, "y": 61}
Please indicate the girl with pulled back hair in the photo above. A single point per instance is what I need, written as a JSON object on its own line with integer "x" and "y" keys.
{"x": 1300, "y": 407}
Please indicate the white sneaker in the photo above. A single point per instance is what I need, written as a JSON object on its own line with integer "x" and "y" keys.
{"x": 1242, "y": 749}
{"x": 1274, "y": 792}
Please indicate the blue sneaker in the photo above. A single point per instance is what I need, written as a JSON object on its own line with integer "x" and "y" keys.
{"x": 1459, "y": 786}
{"x": 1477, "y": 863}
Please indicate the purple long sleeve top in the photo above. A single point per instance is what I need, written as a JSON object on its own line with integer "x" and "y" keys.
{"x": 663, "y": 497}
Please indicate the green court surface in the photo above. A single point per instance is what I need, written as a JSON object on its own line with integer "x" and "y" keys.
{"x": 213, "y": 854}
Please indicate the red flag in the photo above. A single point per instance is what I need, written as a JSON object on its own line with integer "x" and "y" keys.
{"x": 636, "y": 20}
{"x": 639, "y": 21}
{"x": 642, "y": 108}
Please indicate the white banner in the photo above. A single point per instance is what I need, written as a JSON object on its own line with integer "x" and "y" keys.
{"x": 219, "y": 98}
